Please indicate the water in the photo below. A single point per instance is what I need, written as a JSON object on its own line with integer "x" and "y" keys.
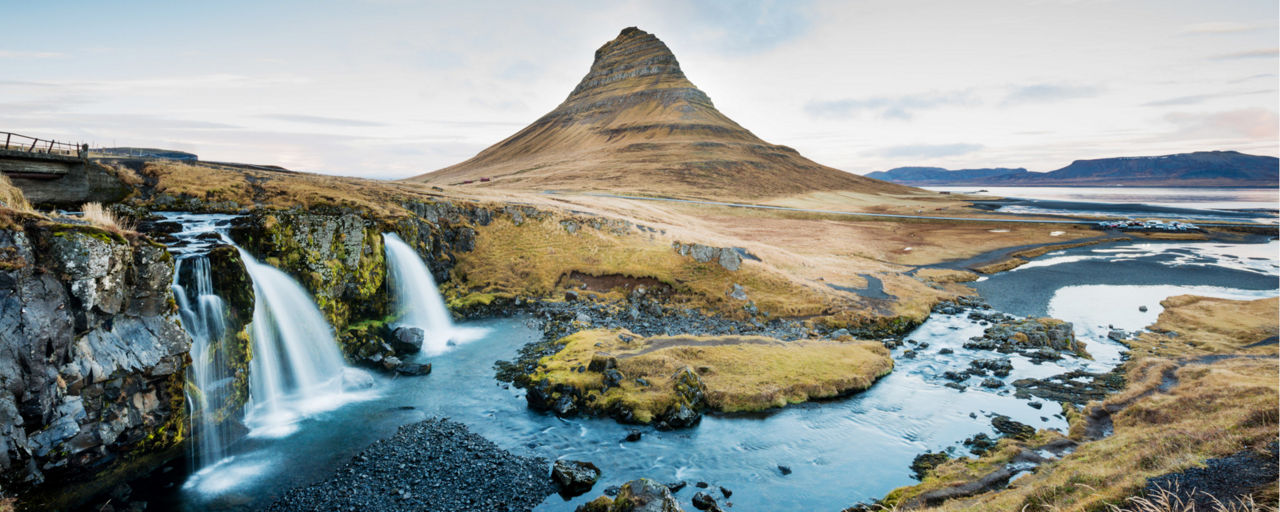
{"x": 1250, "y": 205}
{"x": 417, "y": 300}
{"x": 840, "y": 451}
{"x": 1199, "y": 198}
{"x": 296, "y": 371}
{"x": 203, "y": 315}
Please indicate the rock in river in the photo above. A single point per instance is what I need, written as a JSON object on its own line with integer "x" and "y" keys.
{"x": 574, "y": 478}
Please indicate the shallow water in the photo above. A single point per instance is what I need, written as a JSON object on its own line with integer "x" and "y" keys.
{"x": 1212, "y": 198}
{"x": 840, "y": 451}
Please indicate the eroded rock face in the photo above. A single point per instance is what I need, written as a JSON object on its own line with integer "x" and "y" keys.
{"x": 92, "y": 357}
{"x": 726, "y": 257}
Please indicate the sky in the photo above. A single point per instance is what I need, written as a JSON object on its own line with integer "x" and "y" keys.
{"x": 392, "y": 88}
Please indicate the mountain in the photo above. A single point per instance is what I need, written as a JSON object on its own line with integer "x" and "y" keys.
{"x": 931, "y": 176}
{"x": 1199, "y": 169}
{"x": 636, "y": 124}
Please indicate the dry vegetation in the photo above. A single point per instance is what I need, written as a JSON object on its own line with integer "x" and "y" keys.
{"x": 1207, "y": 408}
{"x": 11, "y": 196}
{"x": 264, "y": 188}
{"x": 534, "y": 258}
{"x": 96, "y": 214}
{"x": 741, "y": 373}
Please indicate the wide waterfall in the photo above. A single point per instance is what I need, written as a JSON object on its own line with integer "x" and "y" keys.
{"x": 417, "y": 300}
{"x": 296, "y": 368}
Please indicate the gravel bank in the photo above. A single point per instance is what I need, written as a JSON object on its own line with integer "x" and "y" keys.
{"x": 436, "y": 464}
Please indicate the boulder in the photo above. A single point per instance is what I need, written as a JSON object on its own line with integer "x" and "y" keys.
{"x": 704, "y": 501}
{"x": 574, "y": 478}
{"x": 407, "y": 340}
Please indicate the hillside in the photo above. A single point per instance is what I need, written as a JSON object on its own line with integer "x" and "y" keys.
{"x": 1199, "y": 169}
{"x": 636, "y": 124}
{"x": 929, "y": 176}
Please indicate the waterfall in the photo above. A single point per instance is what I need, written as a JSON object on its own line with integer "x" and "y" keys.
{"x": 417, "y": 300}
{"x": 203, "y": 315}
{"x": 296, "y": 368}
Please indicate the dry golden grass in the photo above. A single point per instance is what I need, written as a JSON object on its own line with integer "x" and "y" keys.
{"x": 96, "y": 214}
{"x": 11, "y": 196}
{"x": 254, "y": 188}
{"x": 532, "y": 259}
{"x": 1217, "y": 407}
{"x": 1170, "y": 500}
{"x": 1215, "y": 326}
{"x": 741, "y": 373}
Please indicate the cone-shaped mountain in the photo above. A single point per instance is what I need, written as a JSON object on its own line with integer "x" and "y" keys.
{"x": 635, "y": 123}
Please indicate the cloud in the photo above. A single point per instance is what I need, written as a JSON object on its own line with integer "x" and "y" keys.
{"x": 1043, "y": 93}
{"x": 1218, "y": 27}
{"x": 900, "y": 107}
{"x": 12, "y": 54}
{"x": 746, "y": 27}
{"x": 1200, "y": 98}
{"x": 1262, "y": 53}
{"x": 1253, "y": 77}
{"x": 327, "y": 121}
{"x": 926, "y": 150}
{"x": 1251, "y": 123}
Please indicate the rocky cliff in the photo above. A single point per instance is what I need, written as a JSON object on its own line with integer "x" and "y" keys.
{"x": 636, "y": 123}
{"x": 92, "y": 359}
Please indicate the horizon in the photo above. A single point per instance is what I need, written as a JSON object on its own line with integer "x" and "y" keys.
{"x": 391, "y": 89}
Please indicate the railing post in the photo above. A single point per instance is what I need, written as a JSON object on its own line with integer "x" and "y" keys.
{"x": 7, "y": 136}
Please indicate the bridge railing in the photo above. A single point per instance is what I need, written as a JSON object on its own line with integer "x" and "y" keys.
{"x": 18, "y": 142}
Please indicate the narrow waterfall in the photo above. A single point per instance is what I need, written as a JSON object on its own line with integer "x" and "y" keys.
{"x": 296, "y": 368}
{"x": 203, "y": 315}
{"x": 417, "y": 300}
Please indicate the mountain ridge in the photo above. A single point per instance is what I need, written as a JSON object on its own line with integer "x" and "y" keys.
{"x": 1196, "y": 169}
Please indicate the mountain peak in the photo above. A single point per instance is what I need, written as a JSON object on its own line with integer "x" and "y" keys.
{"x": 632, "y": 57}
{"x": 634, "y": 123}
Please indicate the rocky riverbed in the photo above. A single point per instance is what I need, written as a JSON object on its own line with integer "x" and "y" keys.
{"x": 431, "y": 465}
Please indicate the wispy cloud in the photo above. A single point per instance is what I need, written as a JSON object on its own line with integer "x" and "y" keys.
{"x": 1196, "y": 99}
{"x": 897, "y": 107}
{"x": 744, "y": 27}
{"x": 1253, "y": 77}
{"x": 926, "y": 150}
{"x": 1219, "y": 27}
{"x": 1263, "y": 53}
{"x": 13, "y": 54}
{"x": 320, "y": 120}
{"x": 1041, "y": 93}
{"x": 1251, "y": 123}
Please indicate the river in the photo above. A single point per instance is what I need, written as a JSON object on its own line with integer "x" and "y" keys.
{"x": 840, "y": 452}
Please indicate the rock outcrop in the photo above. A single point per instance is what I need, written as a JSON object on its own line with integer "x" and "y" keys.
{"x": 643, "y": 495}
{"x": 92, "y": 360}
{"x": 636, "y": 123}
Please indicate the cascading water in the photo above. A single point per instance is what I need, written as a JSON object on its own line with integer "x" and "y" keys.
{"x": 417, "y": 300}
{"x": 203, "y": 315}
{"x": 296, "y": 369}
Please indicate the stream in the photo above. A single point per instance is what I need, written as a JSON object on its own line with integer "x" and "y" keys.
{"x": 839, "y": 452}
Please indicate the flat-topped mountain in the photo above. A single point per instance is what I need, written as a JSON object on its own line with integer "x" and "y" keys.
{"x": 635, "y": 123}
{"x": 1199, "y": 169}
{"x": 930, "y": 176}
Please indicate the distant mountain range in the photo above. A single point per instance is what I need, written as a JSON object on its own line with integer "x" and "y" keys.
{"x": 1199, "y": 169}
